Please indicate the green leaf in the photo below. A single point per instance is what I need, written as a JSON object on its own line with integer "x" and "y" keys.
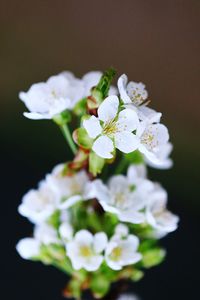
{"x": 81, "y": 137}
{"x": 135, "y": 157}
{"x": 96, "y": 163}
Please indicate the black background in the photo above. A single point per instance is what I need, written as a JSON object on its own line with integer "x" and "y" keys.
{"x": 156, "y": 42}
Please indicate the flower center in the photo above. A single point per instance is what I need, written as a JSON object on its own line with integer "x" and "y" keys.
{"x": 148, "y": 138}
{"x": 110, "y": 127}
{"x": 116, "y": 253}
{"x": 85, "y": 251}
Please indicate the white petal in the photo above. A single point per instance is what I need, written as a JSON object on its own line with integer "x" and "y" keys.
{"x": 121, "y": 230}
{"x": 93, "y": 263}
{"x": 103, "y": 147}
{"x": 127, "y": 120}
{"x": 136, "y": 172}
{"x": 70, "y": 202}
{"x": 37, "y": 116}
{"x": 28, "y": 248}
{"x": 100, "y": 242}
{"x": 66, "y": 231}
{"x": 126, "y": 141}
{"x": 133, "y": 217}
{"x": 108, "y": 109}
{"x": 84, "y": 237}
{"x": 92, "y": 126}
{"x": 147, "y": 114}
{"x": 122, "y": 82}
{"x": 90, "y": 80}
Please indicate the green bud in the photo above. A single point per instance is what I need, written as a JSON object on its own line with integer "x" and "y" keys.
{"x": 81, "y": 137}
{"x": 99, "y": 285}
{"x": 153, "y": 257}
{"x": 96, "y": 163}
{"x": 80, "y": 107}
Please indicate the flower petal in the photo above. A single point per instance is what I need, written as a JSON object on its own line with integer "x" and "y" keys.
{"x": 126, "y": 141}
{"x": 127, "y": 120}
{"x": 103, "y": 147}
{"x": 100, "y": 242}
{"x": 92, "y": 126}
{"x": 133, "y": 217}
{"x": 84, "y": 237}
{"x": 28, "y": 248}
{"x": 108, "y": 109}
{"x": 70, "y": 202}
{"x": 122, "y": 82}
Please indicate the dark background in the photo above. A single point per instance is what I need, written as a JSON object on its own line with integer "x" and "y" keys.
{"x": 156, "y": 42}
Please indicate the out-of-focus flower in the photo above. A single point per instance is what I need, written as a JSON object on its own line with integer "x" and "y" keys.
{"x": 163, "y": 160}
{"x": 125, "y": 196}
{"x": 70, "y": 189}
{"x": 112, "y": 130}
{"x": 28, "y": 248}
{"x": 38, "y": 205}
{"x": 157, "y": 215}
{"x": 47, "y": 99}
{"x": 85, "y": 250}
{"x": 46, "y": 234}
{"x": 122, "y": 251}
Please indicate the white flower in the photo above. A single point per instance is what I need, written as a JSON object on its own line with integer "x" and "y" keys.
{"x": 46, "y": 234}
{"x": 125, "y": 197}
{"x": 111, "y": 129}
{"x": 133, "y": 92}
{"x": 134, "y": 96}
{"x": 46, "y": 99}
{"x": 85, "y": 250}
{"x": 91, "y": 79}
{"x": 122, "y": 251}
{"x": 154, "y": 138}
{"x": 157, "y": 215}
{"x": 38, "y": 205}
{"x": 70, "y": 189}
{"x": 28, "y": 248}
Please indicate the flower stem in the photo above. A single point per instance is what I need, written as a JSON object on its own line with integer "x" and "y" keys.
{"x": 121, "y": 166}
{"x": 67, "y": 134}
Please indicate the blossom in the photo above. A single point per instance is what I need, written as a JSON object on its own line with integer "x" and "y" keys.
{"x": 44, "y": 100}
{"x": 112, "y": 129}
{"x": 70, "y": 189}
{"x": 154, "y": 143}
{"x": 28, "y": 248}
{"x": 133, "y": 92}
{"x": 134, "y": 95}
{"x": 121, "y": 251}
{"x": 38, "y": 205}
{"x": 46, "y": 234}
{"x": 156, "y": 213}
{"x": 124, "y": 196}
{"x": 85, "y": 250}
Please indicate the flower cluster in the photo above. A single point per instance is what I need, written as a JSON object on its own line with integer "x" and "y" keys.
{"x": 107, "y": 228}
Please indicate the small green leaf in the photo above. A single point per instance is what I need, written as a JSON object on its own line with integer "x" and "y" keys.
{"x": 96, "y": 163}
{"x": 81, "y": 137}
